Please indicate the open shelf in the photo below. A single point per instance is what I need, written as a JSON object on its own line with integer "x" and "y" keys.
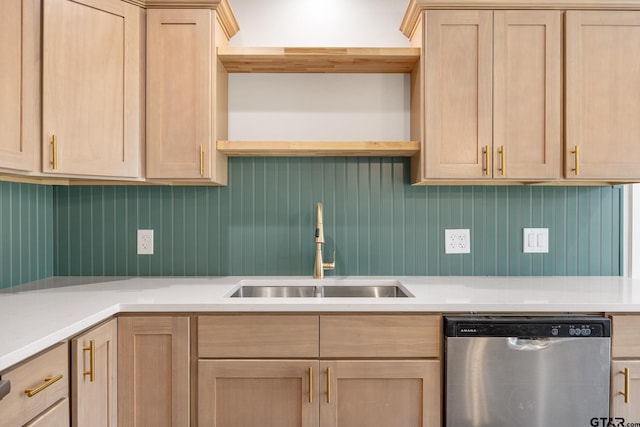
{"x": 318, "y": 60}
{"x": 319, "y": 148}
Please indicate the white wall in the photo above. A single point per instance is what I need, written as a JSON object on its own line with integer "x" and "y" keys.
{"x": 319, "y": 106}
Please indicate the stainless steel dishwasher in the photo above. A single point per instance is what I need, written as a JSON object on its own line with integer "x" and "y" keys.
{"x": 526, "y": 371}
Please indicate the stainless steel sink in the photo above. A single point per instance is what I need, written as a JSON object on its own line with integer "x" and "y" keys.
{"x": 384, "y": 291}
{"x": 248, "y": 291}
{"x": 324, "y": 291}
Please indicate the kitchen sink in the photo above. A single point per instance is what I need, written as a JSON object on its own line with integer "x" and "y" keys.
{"x": 249, "y": 291}
{"x": 383, "y": 291}
{"x": 394, "y": 290}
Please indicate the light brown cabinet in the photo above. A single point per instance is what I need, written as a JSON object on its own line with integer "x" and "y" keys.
{"x": 92, "y": 82}
{"x": 492, "y": 95}
{"x": 19, "y": 83}
{"x": 349, "y": 370}
{"x": 39, "y": 391}
{"x": 186, "y": 96}
{"x": 603, "y": 88}
{"x": 268, "y": 393}
{"x": 625, "y": 377}
{"x": 153, "y": 371}
{"x": 56, "y": 416}
{"x": 362, "y": 393}
{"x": 625, "y": 367}
{"x": 94, "y": 361}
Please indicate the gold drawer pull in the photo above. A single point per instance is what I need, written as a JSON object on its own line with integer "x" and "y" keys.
{"x": 625, "y": 393}
{"x": 328, "y": 385}
{"x": 201, "y": 160}
{"x": 310, "y": 385}
{"x": 92, "y": 360}
{"x": 30, "y": 392}
{"x": 485, "y": 154}
{"x": 501, "y": 152}
{"x": 576, "y": 153}
{"x": 54, "y": 153}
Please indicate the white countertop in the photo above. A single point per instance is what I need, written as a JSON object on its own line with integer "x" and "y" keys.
{"x": 39, "y": 314}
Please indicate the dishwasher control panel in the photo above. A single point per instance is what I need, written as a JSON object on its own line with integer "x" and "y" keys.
{"x": 528, "y": 327}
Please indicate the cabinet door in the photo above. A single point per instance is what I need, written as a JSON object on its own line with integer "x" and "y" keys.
{"x": 56, "y": 416}
{"x": 153, "y": 371}
{"x": 179, "y": 95}
{"x": 603, "y": 89}
{"x": 19, "y": 44}
{"x": 380, "y": 393}
{"x": 527, "y": 110}
{"x": 91, "y": 88}
{"x": 458, "y": 112}
{"x": 629, "y": 409}
{"x": 265, "y": 393}
{"x": 94, "y": 384}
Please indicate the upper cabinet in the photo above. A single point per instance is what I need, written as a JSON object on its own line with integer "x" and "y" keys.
{"x": 92, "y": 81}
{"x": 527, "y": 95}
{"x": 186, "y": 96}
{"x": 19, "y": 83}
{"x": 492, "y": 95}
{"x": 603, "y": 95}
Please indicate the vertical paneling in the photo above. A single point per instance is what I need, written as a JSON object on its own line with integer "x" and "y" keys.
{"x": 26, "y": 233}
{"x": 263, "y": 224}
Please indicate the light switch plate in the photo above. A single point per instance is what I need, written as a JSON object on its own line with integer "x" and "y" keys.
{"x": 145, "y": 242}
{"x": 457, "y": 241}
{"x": 535, "y": 240}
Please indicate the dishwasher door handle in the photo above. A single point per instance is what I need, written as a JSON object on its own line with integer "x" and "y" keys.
{"x": 528, "y": 344}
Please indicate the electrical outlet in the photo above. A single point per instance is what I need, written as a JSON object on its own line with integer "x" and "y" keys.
{"x": 457, "y": 241}
{"x": 145, "y": 242}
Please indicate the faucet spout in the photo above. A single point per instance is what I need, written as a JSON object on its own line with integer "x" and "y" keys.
{"x": 318, "y": 265}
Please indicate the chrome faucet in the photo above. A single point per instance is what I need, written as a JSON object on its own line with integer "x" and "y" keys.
{"x": 318, "y": 266}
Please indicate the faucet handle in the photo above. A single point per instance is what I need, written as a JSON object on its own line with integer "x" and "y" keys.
{"x": 330, "y": 265}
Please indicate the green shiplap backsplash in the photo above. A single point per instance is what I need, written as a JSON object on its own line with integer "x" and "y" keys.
{"x": 26, "y": 233}
{"x": 263, "y": 223}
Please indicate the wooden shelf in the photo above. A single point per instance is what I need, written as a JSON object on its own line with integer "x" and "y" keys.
{"x": 319, "y": 148}
{"x": 318, "y": 60}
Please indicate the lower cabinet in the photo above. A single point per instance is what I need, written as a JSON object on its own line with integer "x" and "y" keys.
{"x": 294, "y": 393}
{"x": 265, "y": 393}
{"x": 364, "y": 370}
{"x": 39, "y": 393}
{"x": 625, "y": 368}
{"x": 153, "y": 371}
{"x": 363, "y": 393}
{"x": 94, "y": 377}
{"x": 625, "y": 390}
{"x": 56, "y": 416}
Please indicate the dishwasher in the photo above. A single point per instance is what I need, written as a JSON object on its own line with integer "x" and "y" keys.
{"x": 532, "y": 371}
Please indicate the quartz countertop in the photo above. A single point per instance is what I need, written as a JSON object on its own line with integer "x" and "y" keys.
{"x": 37, "y": 315}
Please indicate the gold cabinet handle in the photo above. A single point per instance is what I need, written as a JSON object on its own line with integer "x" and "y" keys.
{"x": 201, "y": 160}
{"x": 485, "y": 155}
{"x": 625, "y": 393}
{"x": 30, "y": 392}
{"x": 501, "y": 152}
{"x": 576, "y": 153}
{"x": 54, "y": 153}
{"x": 310, "y": 385}
{"x": 328, "y": 385}
{"x": 92, "y": 360}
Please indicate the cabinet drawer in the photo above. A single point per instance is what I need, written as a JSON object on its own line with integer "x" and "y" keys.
{"x": 56, "y": 416}
{"x": 380, "y": 336}
{"x": 262, "y": 336}
{"x": 17, "y": 408}
{"x": 625, "y": 336}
